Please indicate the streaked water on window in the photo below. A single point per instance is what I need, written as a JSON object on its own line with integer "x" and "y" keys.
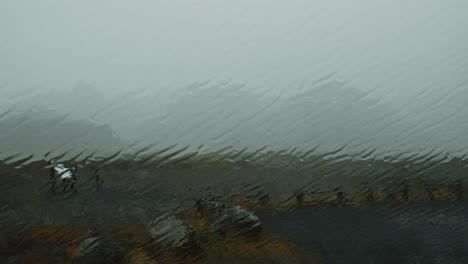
{"x": 233, "y": 132}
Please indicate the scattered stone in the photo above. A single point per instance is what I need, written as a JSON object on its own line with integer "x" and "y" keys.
{"x": 227, "y": 218}
{"x": 237, "y": 219}
{"x": 209, "y": 207}
{"x": 171, "y": 233}
{"x": 96, "y": 250}
{"x": 86, "y": 246}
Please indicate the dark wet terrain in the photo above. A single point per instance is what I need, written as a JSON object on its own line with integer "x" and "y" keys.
{"x": 435, "y": 232}
{"x": 389, "y": 232}
{"x": 432, "y": 233}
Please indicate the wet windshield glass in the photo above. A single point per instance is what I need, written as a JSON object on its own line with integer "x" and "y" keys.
{"x": 244, "y": 131}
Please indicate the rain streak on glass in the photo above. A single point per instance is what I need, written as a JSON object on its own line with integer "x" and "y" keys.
{"x": 233, "y": 131}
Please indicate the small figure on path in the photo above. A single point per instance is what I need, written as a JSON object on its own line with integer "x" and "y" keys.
{"x": 65, "y": 175}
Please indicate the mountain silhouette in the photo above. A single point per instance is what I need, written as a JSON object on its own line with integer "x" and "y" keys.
{"x": 41, "y": 131}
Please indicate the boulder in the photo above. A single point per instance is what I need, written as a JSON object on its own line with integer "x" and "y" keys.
{"x": 171, "y": 233}
{"x": 237, "y": 219}
{"x": 97, "y": 250}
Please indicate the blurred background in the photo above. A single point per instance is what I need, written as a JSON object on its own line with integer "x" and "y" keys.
{"x": 341, "y": 126}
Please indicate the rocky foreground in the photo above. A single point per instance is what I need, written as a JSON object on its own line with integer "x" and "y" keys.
{"x": 218, "y": 215}
{"x": 240, "y": 229}
{"x": 209, "y": 232}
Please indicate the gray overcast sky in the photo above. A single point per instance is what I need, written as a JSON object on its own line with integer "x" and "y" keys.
{"x": 396, "y": 49}
{"x": 122, "y": 45}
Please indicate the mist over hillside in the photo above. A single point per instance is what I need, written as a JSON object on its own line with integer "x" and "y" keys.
{"x": 242, "y": 131}
{"x": 327, "y": 116}
{"x": 41, "y": 131}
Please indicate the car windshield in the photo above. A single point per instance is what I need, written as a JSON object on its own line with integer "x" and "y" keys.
{"x": 242, "y": 131}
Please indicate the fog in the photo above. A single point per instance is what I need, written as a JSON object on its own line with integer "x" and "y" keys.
{"x": 357, "y": 75}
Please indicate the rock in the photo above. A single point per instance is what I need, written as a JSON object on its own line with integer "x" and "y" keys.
{"x": 97, "y": 250}
{"x": 86, "y": 246}
{"x": 209, "y": 207}
{"x": 171, "y": 233}
{"x": 224, "y": 217}
{"x": 237, "y": 219}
